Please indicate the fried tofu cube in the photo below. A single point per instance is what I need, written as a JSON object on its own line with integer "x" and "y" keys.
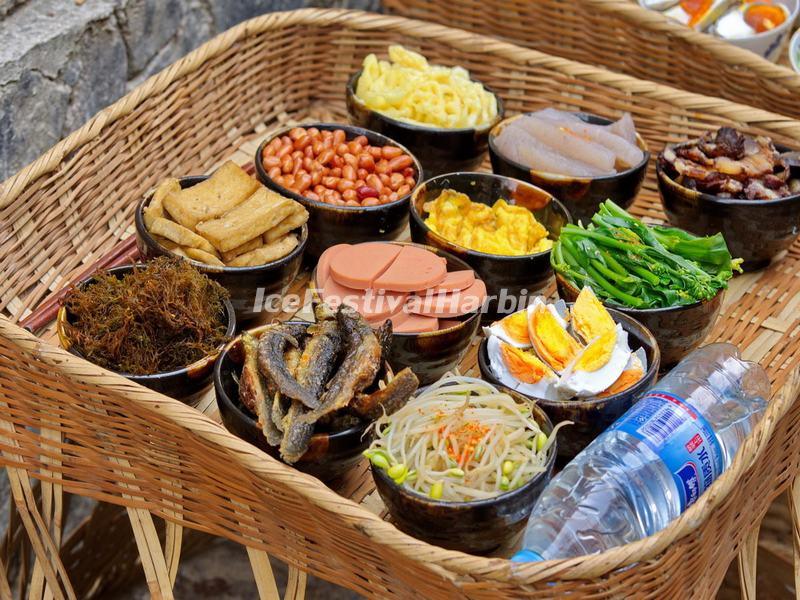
{"x": 180, "y": 235}
{"x": 259, "y": 213}
{"x": 267, "y": 253}
{"x": 155, "y": 209}
{"x": 297, "y": 219}
{"x": 249, "y": 245}
{"x": 229, "y": 186}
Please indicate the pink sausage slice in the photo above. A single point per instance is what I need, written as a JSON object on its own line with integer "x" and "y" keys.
{"x": 399, "y": 318}
{"x": 413, "y": 269}
{"x": 373, "y": 305}
{"x": 454, "y": 281}
{"x": 452, "y": 304}
{"x": 399, "y": 312}
{"x": 324, "y": 264}
{"x": 360, "y": 265}
{"x": 416, "y": 324}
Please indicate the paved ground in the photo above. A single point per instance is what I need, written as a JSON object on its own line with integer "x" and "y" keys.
{"x": 223, "y": 573}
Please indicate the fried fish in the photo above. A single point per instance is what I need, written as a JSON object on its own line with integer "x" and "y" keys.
{"x": 272, "y": 361}
{"x": 321, "y": 350}
{"x": 296, "y": 434}
{"x": 313, "y": 370}
{"x": 389, "y": 399}
{"x": 358, "y": 369}
{"x": 280, "y": 405}
{"x": 253, "y": 391}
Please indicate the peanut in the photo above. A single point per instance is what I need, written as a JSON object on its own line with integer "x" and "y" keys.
{"x": 323, "y": 165}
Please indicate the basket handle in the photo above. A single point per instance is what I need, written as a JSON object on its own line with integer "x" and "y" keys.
{"x": 747, "y": 563}
{"x": 794, "y": 509}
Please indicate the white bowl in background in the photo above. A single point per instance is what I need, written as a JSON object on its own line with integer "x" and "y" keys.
{"x": 794, "y": 51}
{"x": 768, "y": 44}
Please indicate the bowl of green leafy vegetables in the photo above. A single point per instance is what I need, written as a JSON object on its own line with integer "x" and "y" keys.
{"x": 669, "y": 280}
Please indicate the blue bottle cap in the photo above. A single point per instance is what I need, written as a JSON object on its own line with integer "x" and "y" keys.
{"x": 526, "y": 556}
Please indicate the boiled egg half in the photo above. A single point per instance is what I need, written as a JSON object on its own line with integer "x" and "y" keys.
{"x": 597, "y": 366}
{"x": 521, "y": 370}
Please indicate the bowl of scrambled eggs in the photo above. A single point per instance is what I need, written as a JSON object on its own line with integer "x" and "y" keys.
{"x": 503, "y": 228}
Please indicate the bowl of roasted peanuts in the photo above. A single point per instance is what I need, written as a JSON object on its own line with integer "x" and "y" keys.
{"x": 356, "y": 184}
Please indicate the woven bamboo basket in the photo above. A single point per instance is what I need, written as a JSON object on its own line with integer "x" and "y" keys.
{"x": 622, "y": 36}
{"x": 76, "y": 428}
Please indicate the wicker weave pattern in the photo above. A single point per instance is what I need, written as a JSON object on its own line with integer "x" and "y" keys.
{"x": 622, "y": 36}
{"x": 68, "y": 422}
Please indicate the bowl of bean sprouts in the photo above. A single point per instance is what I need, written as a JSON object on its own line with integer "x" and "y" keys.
{"x": 462, "y": 463}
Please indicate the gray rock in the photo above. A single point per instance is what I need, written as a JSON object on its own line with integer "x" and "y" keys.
{"x": 32, "y": 112}
{"x": 373, "y": 5}
{"x": 228, "y": 14}
{"x": 48, "y": 79}
{"x": 6, "y": 6}
{"x": 196, "y": 25}
{"x": 61, "y": 62}
{"x": 147, "y": 27}
{"x": 41, "y": 34}
{"x": 223, "y": 572}
{"x": 96, "y": 72}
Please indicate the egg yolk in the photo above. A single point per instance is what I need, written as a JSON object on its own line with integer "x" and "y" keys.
{"x": 764, "y": 17}
{"x": 516, "y": 327}
{"x": 627, "y": 379}
{"x": 590, "y": 318}
{"x": 598, "y": 353}
{"x": 524, "y": 366}
{"x": 551, "y": 341}
{"x": 695, "y": 9}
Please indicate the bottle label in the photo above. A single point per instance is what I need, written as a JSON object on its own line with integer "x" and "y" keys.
{"x": 681, "y": 437}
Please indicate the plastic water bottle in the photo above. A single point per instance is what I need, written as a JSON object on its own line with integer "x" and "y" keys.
{"x": 654, "y": 461}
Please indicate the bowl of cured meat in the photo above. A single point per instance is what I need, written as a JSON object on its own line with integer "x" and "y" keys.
{"x": 431, "y": 299}
{"x": 745, "y": 187}
{"x": 305, "y": 393}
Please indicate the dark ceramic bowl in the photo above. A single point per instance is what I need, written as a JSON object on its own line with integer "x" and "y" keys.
{"x": 581, "y": 195}
{"x": 246, "y": 285}
{"x": 510, "y": 277}
{"x": 476, "y": 527}
{"x": 181, "y": 384}
{"x": 330, "y": 454}
{"x": 329, "y": 224}
{"x": 432, "y": 354}
{"x": 678, "y": 329}
{"x": 755, "y": 230}
{"x": 592, "y": 416}
{"x": 439, "y": 150}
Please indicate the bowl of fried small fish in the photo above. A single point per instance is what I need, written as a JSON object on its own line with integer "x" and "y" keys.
{"x": 306, "y": 393}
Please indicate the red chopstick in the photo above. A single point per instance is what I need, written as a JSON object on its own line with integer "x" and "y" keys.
{"x": 123, "y": 253}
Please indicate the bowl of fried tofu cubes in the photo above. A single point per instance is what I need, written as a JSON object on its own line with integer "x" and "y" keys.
{"x": 241, "y": 234}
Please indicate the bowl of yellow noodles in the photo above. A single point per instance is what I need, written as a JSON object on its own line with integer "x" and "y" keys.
{"x": 439, "y": 113}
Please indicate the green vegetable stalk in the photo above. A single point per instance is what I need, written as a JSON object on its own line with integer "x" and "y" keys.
{"x": 632, "y": 264}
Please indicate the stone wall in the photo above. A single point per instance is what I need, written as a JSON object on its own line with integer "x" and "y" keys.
{"x": 61, "y": 61}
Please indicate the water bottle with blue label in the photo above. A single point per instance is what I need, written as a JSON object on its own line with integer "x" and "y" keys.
{"x": 654, "y": 461}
